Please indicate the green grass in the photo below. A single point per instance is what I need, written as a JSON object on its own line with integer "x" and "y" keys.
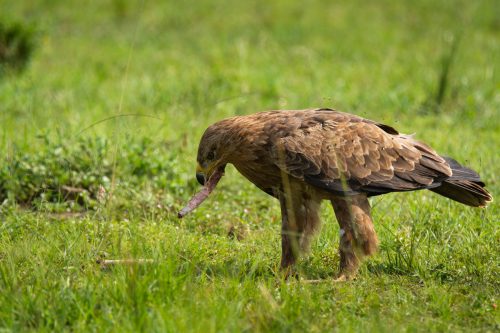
{"x": 115, "y": 98}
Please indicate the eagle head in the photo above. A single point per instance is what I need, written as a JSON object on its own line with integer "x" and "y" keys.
{"x": 216, "y": 147}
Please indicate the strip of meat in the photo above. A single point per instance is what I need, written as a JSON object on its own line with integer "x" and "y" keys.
{"x": 199, "y": 197}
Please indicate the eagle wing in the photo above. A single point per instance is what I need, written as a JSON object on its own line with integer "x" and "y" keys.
{"x": 346, "y": 154}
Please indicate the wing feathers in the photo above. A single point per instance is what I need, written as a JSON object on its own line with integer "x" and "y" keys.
{"x": 323, "y": 146}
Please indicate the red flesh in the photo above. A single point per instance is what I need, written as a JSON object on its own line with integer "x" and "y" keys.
{"x": 199, "y": 197}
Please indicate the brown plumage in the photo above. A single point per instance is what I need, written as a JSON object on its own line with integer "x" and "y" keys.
{"x": 306, "y": 156}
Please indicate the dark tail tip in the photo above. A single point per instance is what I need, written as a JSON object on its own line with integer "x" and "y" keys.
{"x": 464, "y": 186}
{"x": 464, "y": 191}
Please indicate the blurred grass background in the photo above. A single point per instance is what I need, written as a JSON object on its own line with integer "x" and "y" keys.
{"x": 116, "y": 94}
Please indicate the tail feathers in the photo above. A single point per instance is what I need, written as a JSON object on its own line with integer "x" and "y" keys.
{"x": 464, "y": 191}
{"x": 461, "y": 172}
{"x": 464, "y": 186}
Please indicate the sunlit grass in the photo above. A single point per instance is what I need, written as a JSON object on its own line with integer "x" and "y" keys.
{"x": 116, "y": 96}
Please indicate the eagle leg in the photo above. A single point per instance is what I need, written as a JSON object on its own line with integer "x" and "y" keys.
{"x": 357, "y": 234}
{"x": 300, "y": 221}
{"x": 289, "y": 236}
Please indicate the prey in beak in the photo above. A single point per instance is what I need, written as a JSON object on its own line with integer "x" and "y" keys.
{"x": 204, "y": 174}
{"x": 208, "y": 186}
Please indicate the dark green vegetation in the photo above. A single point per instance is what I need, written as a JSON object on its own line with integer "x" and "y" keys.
{"x": 98, "y": 139}
{"x": 17, "y": 42}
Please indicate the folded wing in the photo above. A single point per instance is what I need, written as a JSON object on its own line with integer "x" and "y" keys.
{"x": 345, "y": 154}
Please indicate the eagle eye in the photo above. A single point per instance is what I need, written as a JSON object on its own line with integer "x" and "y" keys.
{"x": 210, "y": 155}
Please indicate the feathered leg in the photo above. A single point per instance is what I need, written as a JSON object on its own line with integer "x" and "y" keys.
{"x": 289, "y": 233}
{"x": 357, "y": 234}
{"x": 300, "y": 220}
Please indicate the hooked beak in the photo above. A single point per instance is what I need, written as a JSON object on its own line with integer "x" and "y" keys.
{"x": 200, "y": 175}
{"x": 200, "y": 178}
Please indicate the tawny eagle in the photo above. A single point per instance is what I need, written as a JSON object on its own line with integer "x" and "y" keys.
{"x": 302, "y": 157}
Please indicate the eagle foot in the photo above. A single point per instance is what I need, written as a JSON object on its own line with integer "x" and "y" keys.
{"x": 289, "y": 273}
{"x": 344, "y": 277}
